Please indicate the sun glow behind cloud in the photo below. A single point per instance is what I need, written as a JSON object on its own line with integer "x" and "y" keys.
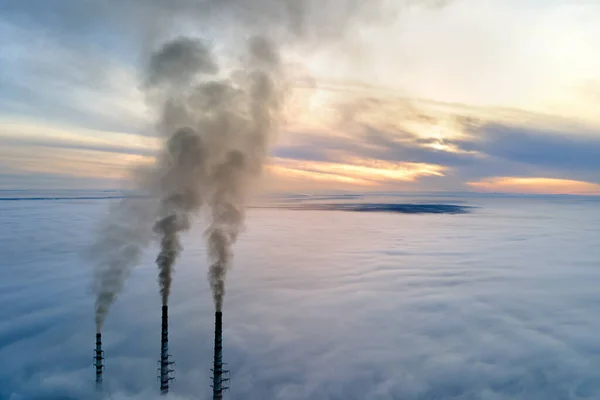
{"x": 364, "y": 172}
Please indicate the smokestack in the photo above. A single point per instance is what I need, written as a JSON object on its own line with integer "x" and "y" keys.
{"x": 165, "y": 364}
{"x": 218, "y": 380}
{"x": 99, "y": 359}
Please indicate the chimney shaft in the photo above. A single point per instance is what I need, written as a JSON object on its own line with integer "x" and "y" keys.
{"x": 165, "y": 364}
{"x": 218, "y": 371}
{"x": 99, "y": 358}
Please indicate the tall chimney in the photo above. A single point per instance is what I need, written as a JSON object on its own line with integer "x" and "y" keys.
{"x": 99, "y": 359}
{"x": 218, "y": 380}
{"x": 165, "y": 364}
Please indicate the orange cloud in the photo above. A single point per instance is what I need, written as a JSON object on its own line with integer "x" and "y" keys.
{"x": 73, "y": 162}
{"x": 536, "y": 185}
{"x": 295, "y": 173}
{"x": 354, "y": 171}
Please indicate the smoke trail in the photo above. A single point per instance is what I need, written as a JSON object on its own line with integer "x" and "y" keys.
{"x": 217, "y": 124}
{"x": 169, "y": 227}
{"x": 231, "y": 178}
{"x": 119, "y": 245}
{"x": 227, "y": 218}
{"x": 232, "y": 119}
{"x": 172, "y": 185}
{"x": 181, "y": 183}
{"x": 217, "y": 129}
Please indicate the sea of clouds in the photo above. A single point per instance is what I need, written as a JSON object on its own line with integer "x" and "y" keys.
{"x": 498, "y": 303}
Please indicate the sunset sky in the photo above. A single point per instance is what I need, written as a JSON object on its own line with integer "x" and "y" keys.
{"x": 463, "y": 95}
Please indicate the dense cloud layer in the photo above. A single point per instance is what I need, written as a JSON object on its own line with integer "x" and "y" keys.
{"x": 497, "y": 304}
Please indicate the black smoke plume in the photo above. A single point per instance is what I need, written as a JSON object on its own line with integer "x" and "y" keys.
{"x": 231, "y": 119}
{"x": 217, "y": 120}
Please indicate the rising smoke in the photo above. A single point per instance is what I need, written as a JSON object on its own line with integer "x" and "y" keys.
{"x": 118, "y": 248}
{"x": 217, "y": 123}
{"x": 223, "y": 126}
{"x": 181, "y": 187}
{"x": 217, "y": 129}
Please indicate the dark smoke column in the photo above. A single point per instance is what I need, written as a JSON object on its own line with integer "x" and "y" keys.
{"x": 218, "y": 380}
{"x": 180, "y": 164}
{"x": 218, "y": 129}
{"x": 236, "y": 170}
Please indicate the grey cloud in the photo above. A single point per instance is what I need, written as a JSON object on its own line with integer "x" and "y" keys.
{"x": 559, "y": 150}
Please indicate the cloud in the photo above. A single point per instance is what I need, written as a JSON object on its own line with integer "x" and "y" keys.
{"x": 333, "y": 310}
{"x": 357, "y": 171}
{"x": 536, "y": 185}
{"x": 33, "y": 133}
{"x": 563, "y": 151}
{"x": 380, "y": 144}
{"x": 463, "y": 143}
{"x": 75, "y": 66}
{"x": 63, "y": 155}
{"x": 71, "y": 162}
{"x": 44, "y": 78}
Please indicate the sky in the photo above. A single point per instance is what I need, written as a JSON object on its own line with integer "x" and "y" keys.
{"x": 462, "y": 95}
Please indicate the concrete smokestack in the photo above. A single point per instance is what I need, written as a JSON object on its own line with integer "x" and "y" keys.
{"x": 99, "y": 359}
{"x": 218, "y": 371}
{"x": 165, "y": 371}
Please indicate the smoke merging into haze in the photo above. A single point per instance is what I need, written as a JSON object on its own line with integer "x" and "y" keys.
{"x": 182, "y": 165}
{"x": 118, "y": 248}
{"x": 217, "y": 128}
{"x": 217, "y": 124}
{"x": 223, "y": 126}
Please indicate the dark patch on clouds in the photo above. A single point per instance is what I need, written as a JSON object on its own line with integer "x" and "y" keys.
{"x": 412, "y": 208}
